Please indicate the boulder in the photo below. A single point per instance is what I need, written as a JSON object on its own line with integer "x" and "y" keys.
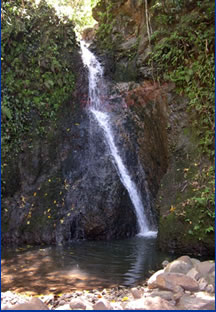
{"x": 198, "y": 301}
{"x": 169, "y": 281}
{"x": 180, "y": 265}
{"x": 164, "y": 294}
{"x": 195, "y": 261}
{"x": 205, "y": 268}
{"x": 152, "y": 279}
{"x": 33, "y": 304}
{"x": 155, "y": 303}
{"x": 193, "y": 273}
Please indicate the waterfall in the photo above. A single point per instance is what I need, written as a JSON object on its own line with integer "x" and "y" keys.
{"x": 96, "y": 93}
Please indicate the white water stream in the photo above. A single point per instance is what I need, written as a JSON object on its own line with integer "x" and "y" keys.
{"x": 103, "y": 119}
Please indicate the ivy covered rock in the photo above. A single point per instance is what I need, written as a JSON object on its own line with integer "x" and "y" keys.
{"x": 168, "y": 42}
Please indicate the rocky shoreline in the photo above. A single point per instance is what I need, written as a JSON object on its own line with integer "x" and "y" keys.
{"x": 183, "y": 284}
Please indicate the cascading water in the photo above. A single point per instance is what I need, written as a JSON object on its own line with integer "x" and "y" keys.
{"x": 96, "y": 93}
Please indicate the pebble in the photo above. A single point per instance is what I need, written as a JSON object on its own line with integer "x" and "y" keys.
{"x": 77, "y": 304}
{"x": 137, "y": 294}
{"x": 102, "y": 304}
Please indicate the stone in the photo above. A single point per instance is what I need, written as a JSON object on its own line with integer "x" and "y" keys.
{"x": 202, "y": 284}
{"x": 128, "y": 44}
{"x": 195, "y": 261}
{"x": 33, "y": 304}
{"x": 179, "y": 292}
{"x": 102, "y": 304}
{"x": 155, "y": 303}
{"x": 164, "y": 263}
{"x": 180, "y": 265}
{"x": 116, "y": 306}
{"x": 137, "y": 294}
{"x": 64, "y": 307}
{"x": 210, "y": 288}
{"x": 78, "y": 304}
{"x": 62, "y": 302}
{"x": 164, "y": 294}
{"x": 168, "y": 281}
{"x": 211, "y": 278}
{"x": 152, "y": 279}
{"x": 205, "y": 268}
{"x": 5, "y": 307}
{"x": 198, "y": 301}
{"x": 193, "y": 273}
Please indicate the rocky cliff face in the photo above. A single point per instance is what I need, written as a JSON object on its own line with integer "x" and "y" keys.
{"x": 66, "y": 186}
{"x": 123, "y": 32}
{"x": 167, "y": 143}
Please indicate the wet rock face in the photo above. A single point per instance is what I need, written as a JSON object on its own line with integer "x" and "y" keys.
{"x": 147, "y": 104}
{"x": 68, "y": 186}
{"x": 70, "y": 189}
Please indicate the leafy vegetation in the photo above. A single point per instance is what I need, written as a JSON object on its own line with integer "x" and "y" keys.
{"x": 186, "y": 57}
{"x": 37, "y": 76}
{"x": 106, "y": 24}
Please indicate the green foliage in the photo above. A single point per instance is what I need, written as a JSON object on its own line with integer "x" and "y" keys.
{"x": 106, "y": 24}
{"x": 186, "y": 57}
{"x": 37, "y": 77}
{"x": 199, "y": 209}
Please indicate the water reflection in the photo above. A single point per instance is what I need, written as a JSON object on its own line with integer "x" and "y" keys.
{"x": 82, "y": 265}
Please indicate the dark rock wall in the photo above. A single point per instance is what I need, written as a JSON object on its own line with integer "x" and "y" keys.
{"x": 65, "y": 186}
{"x": 167, "y": 145}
